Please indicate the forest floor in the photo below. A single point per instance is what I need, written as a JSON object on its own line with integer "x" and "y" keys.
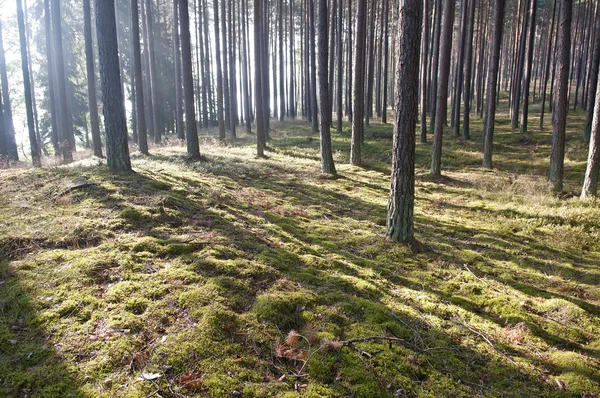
{"x": 250, "y": 277}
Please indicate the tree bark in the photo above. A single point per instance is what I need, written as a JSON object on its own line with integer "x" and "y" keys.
{"x": 528, "y": 66}
{"x": 217, "y": 39}
{"x": 466, "y": 130}
{"x": 117, "y": 150}
{"x": 593, "y": 84}
{"x": 35, "y": 150}
{"x": 327, "y": 165}
{"x": 65, "y": 124}
{"x": 442, "y": 92}
{"x": 547, "y": 72}
{"x": 177, "y": 65}
{"x": 490, "y": 110}
{"x": 152, "y": 69}
{"x": 358, "y": 129}
{"x": 91, "y": 79}
{"x": 424, "y": 70}
{"x": 258, "y": 76}
{"x": 191, "y": 129}
{"x": 590, "y": 182}
{"x": 139, "y": 84}
{"x": 559, "y": 113}
{"x": 400, "y": 218}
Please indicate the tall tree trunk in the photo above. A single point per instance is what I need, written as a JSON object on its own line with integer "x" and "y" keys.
{"x": 442, "y": 92}
{"x": 340, "y": 70}
{"x": 593, "y": 84}
{"x": 35, "y": 150}
{"x": 466, "y": 133}
{"x": 9, "y": 128}
{"x": 91, "y": 79}
{"x": 177, "y": 65}
{"x": 225, "y": 66}
{"x": 246, "y": 89}
{"x": 559, "y": 113}
{"x": 191, "y": 129}
{"x": 152, "y": 69}
{"x": 219, "y": 72}
{"x": 490, "y": 112}
{"x": 51, "y": 79}
{"x": 65, "y": 125}
{"x": 590, "y": 182}
{"x": 139, "y": 84}
{"x": 313, "y": 67}
{"x": 435, "y": 61}
{"x": 548, "y": 58}
{"x": 400, "y": 217}
{"x": 358, "y": 129}
{"x": 528, "y": 66}
{"x": 292, "y": 58}
{"x": 28, "y": 36}
{"x": 258, "y": 76}
{"x": 458, "y": 81}
{"x": 232, "y": 73}
{"x": 424, "y": 69}
{"x": 281, "y": 22}
{"x": 327, "y": 165}
{"x": 117, "y": 150}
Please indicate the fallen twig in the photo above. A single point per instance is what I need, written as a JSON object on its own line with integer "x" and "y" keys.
{"x": 76, "y": 187}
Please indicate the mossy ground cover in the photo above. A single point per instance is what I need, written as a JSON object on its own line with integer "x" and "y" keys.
{"x": 241, "y": 276}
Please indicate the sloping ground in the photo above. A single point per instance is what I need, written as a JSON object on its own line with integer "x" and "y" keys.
{"x": 249, "y": 277}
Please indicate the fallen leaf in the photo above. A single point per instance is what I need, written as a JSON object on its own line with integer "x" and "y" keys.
{"x": 150, "y": 376}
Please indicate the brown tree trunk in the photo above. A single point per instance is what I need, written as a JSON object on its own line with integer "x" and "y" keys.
{"x": 559, "y": 113}
{"x": 258, "y": 76}
{"x": 327, "y": 165}
{"x": 35, "y": 150}
{"x": 117, "y": 149}
{"x": 442, "y": 92}
{"x": 490, "y": 110}
{"x": 528, "y": 66}
{"x": 91, "y": 79}
{"x": 191, "y": 130}
{"x": 590, "y": 182}
{"x": 139, "y": 84}
{"x": 466, "y": 131}
{"x": 400, "y": 217}
{"x": 359, "y": 84}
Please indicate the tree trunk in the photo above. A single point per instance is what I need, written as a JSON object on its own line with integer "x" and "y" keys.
{"x": 177, "y": 65}
{"x": 528, "y": 66}
{"x": 281, "y": 22}
{"x": 590, "y": 183}
{"x": 547, "y": 72}
{"x": 442, "y": 92}
{"x": 117, "y": 150}
{"x": 359, "y": 84}
{"x": 219, "y": 72}
{"x": 258, "y": 76}
{"x": 490, "y": 112}
{"x": 424, "y": 70}
{"x": 191, "y": 129}
{"x": 91, "y": 79}
{"x": 35, "y": 150}
{"x": 139, "y": 84}
{"x": 593, "y": 84}
{"x": 435, "y": 61}
{"x": 233, "y": 102}
{"x": 65, "y": 125}
{"x": 466, "y": 133}
{"x": 340, "y": 70}
{"x": 559, "y": 113}
{"x": 313, "y": 67}
{"x": 152, "y": 69}
{"x": 400, "y": 218}
{"x": 327, "y": 165}
{"x": 51, "y": 80}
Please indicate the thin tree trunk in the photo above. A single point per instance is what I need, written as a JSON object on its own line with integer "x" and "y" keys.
{"x": 424, "y": 69}
{"x": 593, "y": 84}
{"x": 327, "y": 165}
{"x": 191, "y": 129}
{"x": 359, "y": 84}
{"x": 528, "y": 66}
{"x": 442, "y": 93}
{"x": 91, "y": 79}
{"x": 548, "y": 58}
{"x": 139, "y": 84}
{"x": 35, "y": 150}
{"x": 590, "y": 182}
{"x": 466, "y": 131}
{"x": 152, "y": 69}
{"x": 220, "y": 115}
{"x": 258, "y": 76}
{"x": 559, "y": 113}
{"x": 340, "y": 69}
{"x": 65, "y": 125}
{"x": 177, "y": 65}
